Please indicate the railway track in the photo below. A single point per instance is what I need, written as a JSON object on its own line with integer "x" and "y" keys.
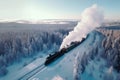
{"x": 32, "y": 73}
{"x": 51, "y": 59}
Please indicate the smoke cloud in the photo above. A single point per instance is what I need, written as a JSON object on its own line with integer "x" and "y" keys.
{"x": 91, "y": 18}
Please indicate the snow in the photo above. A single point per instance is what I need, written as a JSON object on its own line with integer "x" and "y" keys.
{"x": 64, "y": 66}
{"x": 68, "y": 66}
{"x": 43, "y": 26}
{"x": 34, "y": 38}
{"x": 21, "y": 71}
{"x": 91, "y": 65}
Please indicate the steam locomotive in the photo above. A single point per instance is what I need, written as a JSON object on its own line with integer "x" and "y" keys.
{"x": 52, "y": 57}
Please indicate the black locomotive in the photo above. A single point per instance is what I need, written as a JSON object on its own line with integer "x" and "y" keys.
{"x": 52, "y": 57}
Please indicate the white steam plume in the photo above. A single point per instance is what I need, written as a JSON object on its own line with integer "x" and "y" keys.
{"x": 91, "y": 18}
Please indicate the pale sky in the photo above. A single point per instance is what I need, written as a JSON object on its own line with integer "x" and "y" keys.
{"x": 54, "y": 9}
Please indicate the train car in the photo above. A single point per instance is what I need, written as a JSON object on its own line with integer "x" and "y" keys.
{"x": 52, "y": 57}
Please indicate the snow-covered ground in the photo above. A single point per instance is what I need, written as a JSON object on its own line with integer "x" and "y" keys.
{"x": 100, "y": 58}
{"x": 81, "y": 63}
{"x": 64, "y": 67}
{"x": 26, "y": 39}
{"x": 17, "y": 70}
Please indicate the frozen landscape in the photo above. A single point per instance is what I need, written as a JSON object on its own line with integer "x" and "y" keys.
{"x": 97, "y": 58}
{"x": 23, "y": 43}
{"x": 59, "y": 40}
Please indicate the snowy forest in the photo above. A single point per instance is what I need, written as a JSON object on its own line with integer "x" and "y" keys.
{"x": 17, "y": 43}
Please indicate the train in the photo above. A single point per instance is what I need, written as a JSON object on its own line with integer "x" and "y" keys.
{"x": 52, "y": 57}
